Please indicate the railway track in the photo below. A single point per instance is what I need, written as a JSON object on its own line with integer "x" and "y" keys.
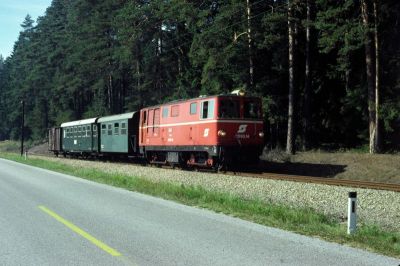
{"x": 257, "y": 173}
{"x": 323, "y": 181}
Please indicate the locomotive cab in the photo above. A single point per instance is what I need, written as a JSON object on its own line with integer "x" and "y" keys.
{"x": 240, "y": 135}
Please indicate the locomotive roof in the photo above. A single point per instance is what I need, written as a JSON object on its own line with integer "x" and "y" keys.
{"x": 116, "y": 117}
{"x": 79, "y": 122}
{"x": 202, "y": 98}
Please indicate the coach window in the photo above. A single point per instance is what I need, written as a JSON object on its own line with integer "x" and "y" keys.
{"x": 116, "y": 128}
{"x": 109, "y": 127}
{"x": 207, "y": 109}
{"x": 165, "y": 112}
{"x": 174, "y": 110}
{"x": 193, "y": 108}
{"x": 103, "y": 129}
{"x": 123, "y": 128}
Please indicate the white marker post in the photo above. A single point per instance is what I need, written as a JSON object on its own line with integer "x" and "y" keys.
{"x": 351, "y": 213}
{"x": 26, "y": 155}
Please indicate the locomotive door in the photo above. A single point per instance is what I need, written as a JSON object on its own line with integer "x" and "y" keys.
{"x": 156, "y": 123}
{"x": 153, "y": 126}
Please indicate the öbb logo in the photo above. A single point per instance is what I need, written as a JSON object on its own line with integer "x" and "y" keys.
{"x": 242, "y": 129}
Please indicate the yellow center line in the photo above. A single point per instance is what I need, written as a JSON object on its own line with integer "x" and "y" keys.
{"x": 79, "y": 231}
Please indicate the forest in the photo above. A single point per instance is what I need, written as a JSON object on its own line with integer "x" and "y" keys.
{"x": 328, "y": 71}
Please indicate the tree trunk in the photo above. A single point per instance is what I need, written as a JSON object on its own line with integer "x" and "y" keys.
{"x": 290, "y": 133}
{"x": 307, "y": 83}
{"x": 110, "y": 93}
{"x": 250, "y": 44}
{"x": 370, "y": 78}
{"x": 377, "y": 74}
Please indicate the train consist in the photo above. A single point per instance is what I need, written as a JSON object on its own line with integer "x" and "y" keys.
{"x": 209, "y": 131}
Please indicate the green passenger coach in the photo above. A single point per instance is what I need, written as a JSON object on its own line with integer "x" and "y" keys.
{"x": 80, "y": 136}
{"x": 119, "y": 133}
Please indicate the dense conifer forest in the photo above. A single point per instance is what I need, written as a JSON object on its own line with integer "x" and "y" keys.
{"x": 328, "y": 70}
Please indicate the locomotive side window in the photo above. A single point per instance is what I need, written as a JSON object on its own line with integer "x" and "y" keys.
{"x": 207, "y": 109}
{"x": 165, "y": 112}
{"x": 175, "y": 110}
{"x": 193, "y": 108}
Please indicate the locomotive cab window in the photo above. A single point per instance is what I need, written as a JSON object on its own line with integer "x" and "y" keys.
{"x": 207, "y": 109}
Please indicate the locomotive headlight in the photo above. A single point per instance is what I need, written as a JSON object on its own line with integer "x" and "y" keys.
{"x": 261, "y": 134}
{"x": 221, "y": 133}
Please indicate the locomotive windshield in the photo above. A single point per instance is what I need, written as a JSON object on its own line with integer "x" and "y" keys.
{"x": 230, "y": 108}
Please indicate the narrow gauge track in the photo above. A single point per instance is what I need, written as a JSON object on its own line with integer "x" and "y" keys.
{"x": 285, "y": 177}
{"x": 323, "y": 180}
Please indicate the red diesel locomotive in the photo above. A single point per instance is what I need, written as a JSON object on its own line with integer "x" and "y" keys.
{"x": 210, "y": 131}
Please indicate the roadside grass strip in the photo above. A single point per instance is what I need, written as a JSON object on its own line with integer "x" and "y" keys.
{"x": 304, "y": 221}
{"x": 80, "y": 232}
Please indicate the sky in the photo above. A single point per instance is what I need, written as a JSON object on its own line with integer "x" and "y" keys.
{"x": 12, "y": 14}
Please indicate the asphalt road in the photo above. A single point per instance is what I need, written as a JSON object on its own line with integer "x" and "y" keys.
{"x": 48, "y": 218}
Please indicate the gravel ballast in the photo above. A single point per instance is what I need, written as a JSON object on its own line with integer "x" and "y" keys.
{"x": 373, "y": 206}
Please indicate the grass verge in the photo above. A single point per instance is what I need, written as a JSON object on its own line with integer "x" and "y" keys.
{"x": 303, "y": 221}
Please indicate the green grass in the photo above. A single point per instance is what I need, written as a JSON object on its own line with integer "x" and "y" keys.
{"x": 303, "y": 221}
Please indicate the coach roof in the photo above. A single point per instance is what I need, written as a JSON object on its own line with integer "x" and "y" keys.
{"x": 79, "y": 122}
{"x": 116, "y": 117}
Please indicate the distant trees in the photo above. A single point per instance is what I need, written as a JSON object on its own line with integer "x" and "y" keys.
{"x": 327, "y": 70}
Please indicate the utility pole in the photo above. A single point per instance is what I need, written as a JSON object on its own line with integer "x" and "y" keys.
{"x": 22, "y": 127}
{"x": 250, "y": 43}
